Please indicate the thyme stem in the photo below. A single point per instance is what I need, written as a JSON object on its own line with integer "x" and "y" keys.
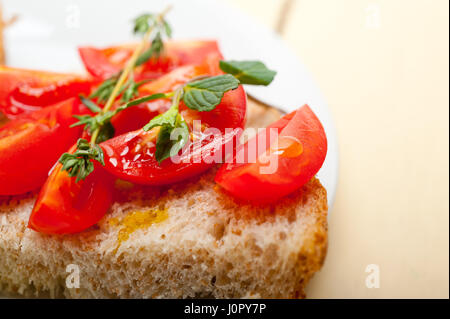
{"x": 128, "y": 68}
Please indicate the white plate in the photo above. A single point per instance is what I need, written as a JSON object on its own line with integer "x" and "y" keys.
{"x": 48, "y": 32}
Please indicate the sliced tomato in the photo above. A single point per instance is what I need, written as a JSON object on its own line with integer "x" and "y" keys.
{"x": 136, "y": 117}
{"x": 32, "y": 143}
{"x": 23, "y": 91}
{"x": 103, "y": 63}
{"x": 66, "y": 207}
{"x": 284, "y": 160}
{"x": 132, "y": 156}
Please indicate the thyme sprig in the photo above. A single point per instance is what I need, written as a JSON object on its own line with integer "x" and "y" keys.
{"x": 201, "y": 94}
{"x": 79, "y": 164}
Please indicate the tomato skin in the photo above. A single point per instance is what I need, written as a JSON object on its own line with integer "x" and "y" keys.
{"x": 31, "y": 144}
{"x": 147, "y": 171}
{"x": 103, "y": 63}
{"x": 296, "y": 163}
{"x": 24, "y": 91}
{"x": 137, "y": 116}
{"x": 66, "y": 207}
{"x": 131, "y": 156}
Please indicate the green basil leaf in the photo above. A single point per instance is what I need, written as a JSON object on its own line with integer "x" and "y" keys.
{"x": 206, "y": 94}
{"x": 249, "y": 72}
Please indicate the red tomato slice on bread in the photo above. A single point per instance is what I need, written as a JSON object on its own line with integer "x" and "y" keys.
{"x": 67, "y": 207}
{"x": 32, "y": 143}
{"x": 103, "y": 63}
{"x": 24, "y": 91}
{"x": 131, "y": 156}
{"x": 285, "y": 159}
{"x": 136, "y": 117}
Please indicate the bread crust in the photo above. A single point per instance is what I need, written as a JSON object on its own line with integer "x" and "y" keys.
{"x": 208, "y": 245}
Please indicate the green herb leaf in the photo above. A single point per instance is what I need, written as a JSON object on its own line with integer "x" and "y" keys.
{"x": 106, "y": 132}
{"x": 171, "y": 140}
{"x": 103, "y": 92}
{"x": 153, "y": 51}
{"x": 173, "y": 133}
{"x": 167, "y": 29}
{"x": 80, "y": 163}
{"x": 130, "y": 91}
{"x": 148, "y": 98}
{"x": 169, "y": 118}
{"x": 249, "y": 72}
{"x": 93, "y": 123}
{"x": 206, "y": 94}
{"x": 90, "y": 104}
{"x": 161, "y": 28}
{"x": 142, "y": 23}
{"x": 90, "y": 122}
{"x": 145, "y": 21}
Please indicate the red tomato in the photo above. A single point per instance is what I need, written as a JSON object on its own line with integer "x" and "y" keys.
{"x": 66, "y": 207}
{"x": 32, "y": 143}
{"x": 103, "y": 63}
{"x": 136, "y": 117}
{"x": 284, "y": 163}
{"x": 131, "y": 156}
{"x": 26, "y": 90}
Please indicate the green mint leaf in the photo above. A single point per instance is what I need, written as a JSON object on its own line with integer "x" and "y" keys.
{"x": 171, "y": 140}
{"x": 163, "y": 144}
{"x": 249, "y": 72}
{"x": 173, "y": 133}
{"x": 90, "y": 104}
{"x": 206, "y": 94}
{"x": 168, "y": 118}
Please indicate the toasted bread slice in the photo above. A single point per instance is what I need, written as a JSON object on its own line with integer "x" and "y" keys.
{"x": 186, "y": 240}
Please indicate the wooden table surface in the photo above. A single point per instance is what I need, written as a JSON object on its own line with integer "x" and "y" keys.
{"x": 383, "y": 66}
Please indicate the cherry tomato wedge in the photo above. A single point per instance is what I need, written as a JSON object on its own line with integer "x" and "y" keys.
{"x": 285, "y": 160}
{"x": 136, "y": 117}
{"x": 24, "y": 91}
{"x": 66, "y": 207}
{"x": 132, "y": 156}
{"x": 32, "y": 143}
{"x": 103, "y": 63}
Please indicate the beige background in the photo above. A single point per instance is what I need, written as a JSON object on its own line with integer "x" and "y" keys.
{"x": 383, "y": 66}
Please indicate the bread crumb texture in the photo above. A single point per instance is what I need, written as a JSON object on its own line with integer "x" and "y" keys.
{"x": 190, "y": 240}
